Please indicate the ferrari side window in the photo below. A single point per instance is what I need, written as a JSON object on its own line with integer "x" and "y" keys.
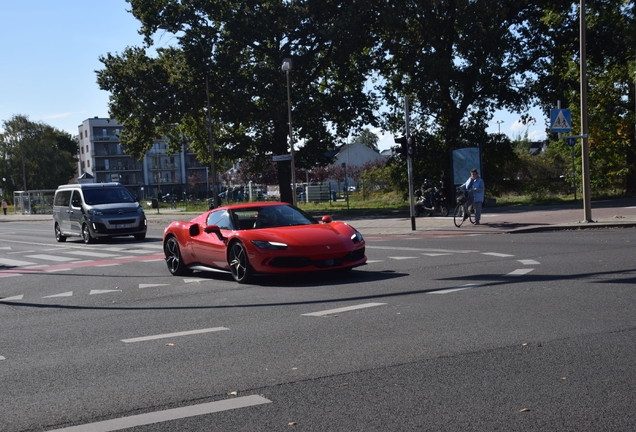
{"x": 219, "y": 218}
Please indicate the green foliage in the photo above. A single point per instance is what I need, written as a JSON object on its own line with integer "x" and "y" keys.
{"x": 35, "y": 156}
{"x": 240, "y": 48}
{"x": 368, "y": 138}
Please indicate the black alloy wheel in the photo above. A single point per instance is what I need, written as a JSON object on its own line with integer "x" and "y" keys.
{"x": 173, "y": 258}
{"x": 239, "y": 263}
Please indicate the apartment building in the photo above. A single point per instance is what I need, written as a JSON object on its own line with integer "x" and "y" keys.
{"x": 102, "y": 155}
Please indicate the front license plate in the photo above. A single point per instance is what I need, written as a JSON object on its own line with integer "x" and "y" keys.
{"x": 329, "y": 262}
{"x": 124, "y": 226}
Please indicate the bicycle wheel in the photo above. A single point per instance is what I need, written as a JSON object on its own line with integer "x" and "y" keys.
{"x": 471, "y": 215}
{"x": 458, "y": 216}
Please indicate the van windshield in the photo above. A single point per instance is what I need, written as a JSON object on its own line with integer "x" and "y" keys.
{"x": 107, "y": 196}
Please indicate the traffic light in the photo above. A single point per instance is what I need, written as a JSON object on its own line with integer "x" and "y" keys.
{"x": 411, "y": 145}
{"x": 403, "y": 145}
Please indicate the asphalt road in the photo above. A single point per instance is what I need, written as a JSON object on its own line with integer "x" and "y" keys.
{"x": 447, "y": 333}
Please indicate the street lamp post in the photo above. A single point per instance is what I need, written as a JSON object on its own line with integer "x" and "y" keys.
{"x": 211, "y": 143}
{"x": 287, "y": 65}
{"x": 212, "y": 173}
{"x": 499, "y": 122}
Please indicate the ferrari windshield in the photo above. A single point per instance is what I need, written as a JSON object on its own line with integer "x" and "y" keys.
{"x": 270, "y": 217}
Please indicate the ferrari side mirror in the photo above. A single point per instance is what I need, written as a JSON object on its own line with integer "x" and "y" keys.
{"x": 214, "y": 229}
{"x": 326, "y": 219}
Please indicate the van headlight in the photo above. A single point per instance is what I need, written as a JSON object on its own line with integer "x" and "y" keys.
{"x": 94, "y": 212}
{"x": 140, "y": 210}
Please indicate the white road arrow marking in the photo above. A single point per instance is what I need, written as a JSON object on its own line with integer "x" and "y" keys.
{"x": 65, "y": 294}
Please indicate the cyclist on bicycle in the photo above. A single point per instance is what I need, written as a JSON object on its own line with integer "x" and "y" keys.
{"x": 474, "y": 188}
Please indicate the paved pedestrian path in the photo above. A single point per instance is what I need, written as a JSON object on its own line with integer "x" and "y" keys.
{"x": 497, "y": 220}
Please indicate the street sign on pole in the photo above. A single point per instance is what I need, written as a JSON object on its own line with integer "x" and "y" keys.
{"x": 560, "y": 120}
{"x": 281, "y": 158}
{"x": 571, "y": 142}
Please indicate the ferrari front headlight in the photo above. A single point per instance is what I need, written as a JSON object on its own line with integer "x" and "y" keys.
{"x": 356, "y": 237}
{"x": 269, "y": 245}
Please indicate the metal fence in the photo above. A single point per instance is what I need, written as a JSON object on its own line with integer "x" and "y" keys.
{"x": 33, "y": 202}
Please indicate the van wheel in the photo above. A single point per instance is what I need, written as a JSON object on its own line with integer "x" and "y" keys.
{"x": 58, "y": 234}
{"x": 86, "y": 235}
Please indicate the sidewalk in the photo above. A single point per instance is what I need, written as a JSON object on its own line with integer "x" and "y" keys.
{"x": 496, "y": 220}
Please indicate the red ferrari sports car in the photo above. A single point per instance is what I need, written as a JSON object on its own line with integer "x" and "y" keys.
{"x": 261, "y": 238}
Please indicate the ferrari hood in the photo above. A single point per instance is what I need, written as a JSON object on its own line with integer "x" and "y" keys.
{"x": 316, "y": 235}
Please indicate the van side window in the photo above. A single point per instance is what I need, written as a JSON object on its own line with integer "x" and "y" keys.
{"x": 76, "y": 201}
{"x": 62, "y": 198}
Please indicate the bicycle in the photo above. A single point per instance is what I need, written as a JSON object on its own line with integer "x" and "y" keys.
{"x": 458, "y": 215}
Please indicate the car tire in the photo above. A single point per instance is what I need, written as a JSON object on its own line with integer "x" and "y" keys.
{"x": 140, "y": 237}
{"x": 174, "y": 261}
{"x": 86, "y": 234}
{"x": 239, "y": 263}
{"x": 58, "y": 234}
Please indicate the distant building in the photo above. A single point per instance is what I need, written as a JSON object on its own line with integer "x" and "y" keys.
{"x": 537, "y": 147}
{"x": 102, "y": 156}
{"x": 354, "y": 155}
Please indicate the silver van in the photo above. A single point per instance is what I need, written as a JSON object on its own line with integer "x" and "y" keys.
{"x": 95, "y": 210}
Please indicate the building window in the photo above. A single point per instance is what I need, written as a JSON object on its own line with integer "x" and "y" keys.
{"x": 88, "y": 163}
{"x": 82, "y": 150}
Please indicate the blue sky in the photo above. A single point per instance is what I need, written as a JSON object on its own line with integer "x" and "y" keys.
{"x": 49, "y": 52}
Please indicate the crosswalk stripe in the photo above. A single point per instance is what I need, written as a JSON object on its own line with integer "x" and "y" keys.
{"x": 55, "y": 258}
{"x": 92, "y": 254}
{"x": 14, "y": 263}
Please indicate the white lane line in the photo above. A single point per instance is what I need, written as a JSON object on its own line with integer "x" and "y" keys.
{"x": 519, "y": 272}
{"x": 5, "y": 248}
{"x": 344, "y": 309}
{"x": 18, "y": 297}
{"x": 65, "y": 294}
{"x": 102, "y": 291}
{"x": 21, "y": 252}
{"x": 529, "y": 262}
{"x": 400, "y": 258}
{"x": 421, "y": 249}
{"x": 14, "y": 263}
{"x": 150, "y": 285}
{"x": 169, "y": 335}
{"x": 168, "y": 415}
{"x": 55, "y": 258}
{"x": 58, "y": 270}
{"x": 435, "y": 254}
{"x": 107, "y": 265}
{"x": 153, "y": 260}
{"x": 460, "y": 288}
{"x": 374, "y": 261}
{"x": 194, "y": 280}
{"x": 2, "y": 358}
{"x": 501, "y": 255}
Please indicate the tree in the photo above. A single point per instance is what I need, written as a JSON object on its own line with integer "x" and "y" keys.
{"x": 239, "y": 47}
{"x": 610, "y": 91}
{"x": 458, "y": 62}
{"x": 369, "y": 139}
{"x": 35, "y": 156}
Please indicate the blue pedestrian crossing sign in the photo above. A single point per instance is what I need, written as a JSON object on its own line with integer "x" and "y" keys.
{"x": 560, "y": 120}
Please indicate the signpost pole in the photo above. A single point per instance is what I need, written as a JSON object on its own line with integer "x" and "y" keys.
{"x": 585, "y": 154}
